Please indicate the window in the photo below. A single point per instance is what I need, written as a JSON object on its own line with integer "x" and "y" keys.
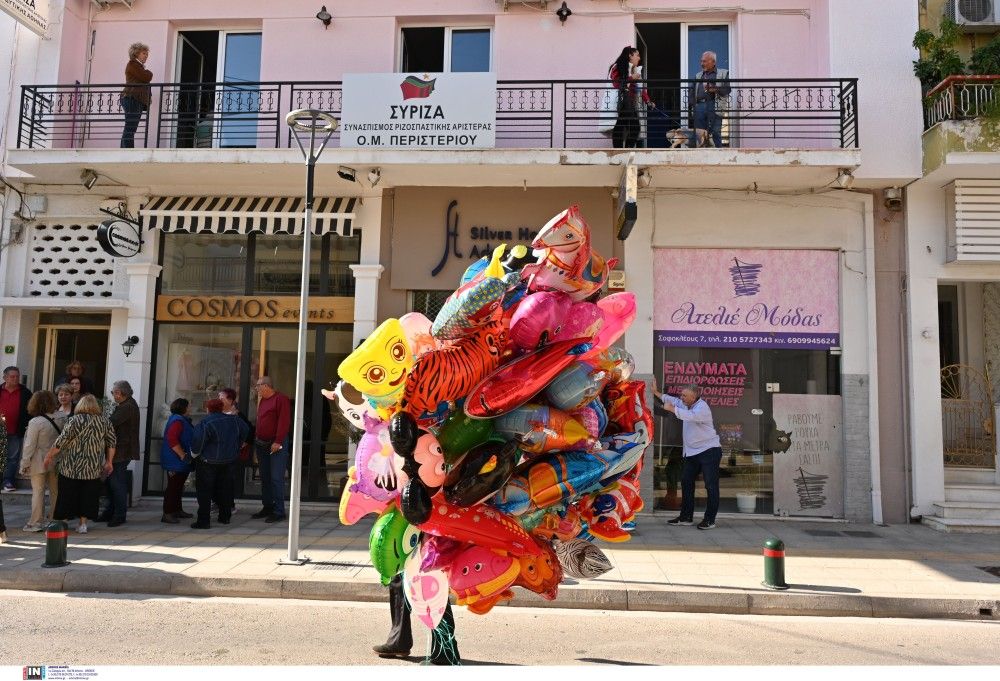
{"x": 445, "y": 49}
{"x": 428, "y": 303}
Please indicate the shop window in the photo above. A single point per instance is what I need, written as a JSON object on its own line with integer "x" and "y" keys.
{"x": 428, "y": 303}
{"x": 278, "y": 264}
{"x": 196, "y": 263}
{"x": 445, "y": 49}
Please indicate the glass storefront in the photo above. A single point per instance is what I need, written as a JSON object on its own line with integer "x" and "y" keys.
{"x": 196, "y": 358}
{"x": 741, "y": 387}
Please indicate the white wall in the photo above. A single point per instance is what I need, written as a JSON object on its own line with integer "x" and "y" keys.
{"x": 872, "y": 41}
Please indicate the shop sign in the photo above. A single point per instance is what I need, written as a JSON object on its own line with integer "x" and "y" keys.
{"x": 419, "y": 111}
{"x": 723, "y": 384}
{"x": 747, "y": 298}
{"x": 33, "y": 14}
{"x": 808, "y": 476}
{"x": 275, "y": 309}
{"x": 120, "y": 238}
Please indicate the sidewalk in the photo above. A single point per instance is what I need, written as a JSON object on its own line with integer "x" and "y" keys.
{"x": 834, "y": 569}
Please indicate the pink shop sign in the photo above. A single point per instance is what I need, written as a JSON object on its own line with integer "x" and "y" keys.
{"x": 725, "y": 298}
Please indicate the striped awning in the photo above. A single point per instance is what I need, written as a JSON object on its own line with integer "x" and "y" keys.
{"x": 248, "y": 214}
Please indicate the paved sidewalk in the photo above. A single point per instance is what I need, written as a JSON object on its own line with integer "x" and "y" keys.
{"x": 833, "y": 568}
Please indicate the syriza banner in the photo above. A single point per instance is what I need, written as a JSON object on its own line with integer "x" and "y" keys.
{"x": 34, "y": 14}
{"x": 419, "y": 111}
{"x": 727, "y": 298}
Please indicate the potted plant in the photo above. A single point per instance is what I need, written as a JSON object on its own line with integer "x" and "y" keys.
{"x": 748, "y": 479}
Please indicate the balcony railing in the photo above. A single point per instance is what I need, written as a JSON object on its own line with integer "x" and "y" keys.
{"x": 958, "y": 98}
{"x": 530, "y": 114}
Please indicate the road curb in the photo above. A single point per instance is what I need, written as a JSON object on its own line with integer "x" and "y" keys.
{"x": 729, "y": 602}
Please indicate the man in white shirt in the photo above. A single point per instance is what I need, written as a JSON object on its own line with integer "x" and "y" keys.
{"x": 702, "y": 453}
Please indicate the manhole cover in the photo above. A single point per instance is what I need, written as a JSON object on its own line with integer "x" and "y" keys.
{"x": 995, "y": 571}
{"x": 863, "y": 534}
{"x": 822, "y": 533}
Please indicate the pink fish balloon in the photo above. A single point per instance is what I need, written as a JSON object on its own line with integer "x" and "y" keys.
{"x": 619, "y": 312}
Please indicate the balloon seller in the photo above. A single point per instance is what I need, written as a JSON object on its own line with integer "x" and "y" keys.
{"x": 501, "y": 439}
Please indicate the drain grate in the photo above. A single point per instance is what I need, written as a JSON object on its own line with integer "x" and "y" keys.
{"x": 995, "y": 570}
{"x": 861, "y": 534}
{"x": 822, "y": 533}
{"x": 338, "y": 566}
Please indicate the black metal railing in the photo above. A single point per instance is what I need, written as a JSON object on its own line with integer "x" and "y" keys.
{"x": 747, "y": 113}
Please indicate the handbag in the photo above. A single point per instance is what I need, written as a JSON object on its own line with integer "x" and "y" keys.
{"x": 246, "y": 453}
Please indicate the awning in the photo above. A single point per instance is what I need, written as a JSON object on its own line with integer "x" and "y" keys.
{"x": 248, "y": 214}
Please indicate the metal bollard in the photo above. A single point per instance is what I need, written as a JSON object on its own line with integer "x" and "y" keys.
{"x": 774, "y": 564}
{"x": 56, "y": 533}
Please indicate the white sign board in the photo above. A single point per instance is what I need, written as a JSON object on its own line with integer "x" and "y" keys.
{"x": 31, "y": 13}
{"x": 809, "y": 477}
{"x": 419, "y": 111}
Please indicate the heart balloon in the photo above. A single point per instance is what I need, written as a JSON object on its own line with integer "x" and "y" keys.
{"x": 426, "y": 590}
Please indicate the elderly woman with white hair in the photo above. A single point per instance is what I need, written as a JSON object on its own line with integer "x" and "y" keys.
{"x": 125, "y": 419}
{"x": 136, "y": 95}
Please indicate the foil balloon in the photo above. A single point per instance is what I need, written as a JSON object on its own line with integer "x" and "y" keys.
{"x": 541, "y": 573}
{"x": 403, "y": 433}
{"x": 479, "y": 525}
{"x": 608, "y": 511}
{"x": 619, "y": 364}
{"x": 379, "y": 469}
{"x": 517, "y": 257}
{"x": 380, "y": 365}
{"x": 415, "y": 502}
{"x": 575, "y": 386}
{"x": 551, "y": 478}
{"x": 560, "y": 522}
{"x": 567, "y": 262}
{"x": 480, "y": 573}
{"x": 626, "y": 449}
{"x": 580, "y": 559}
{"x": 584, "y": 320}
{"x": 428, "y": 460}
{"x": 481, "y": 473}
{"x": 426, "y": 590}
{"x": 351, "y": 403}
{"x": 417, "y": 328}
{"x": 619, "y": 312}
{"x": 473, "y": 304}
{"x": 459, "y": 433}
{"x": 627, "y": 406}
{"x": 593, "y": 416}
{"x": 354, "y": 505}
{"x": 538, "y": 320}
{"x": 392, "y": 539}
{"x": 517, "y": 382}
{"x": 540, "y": 428}
{"x": 449, "y": 374}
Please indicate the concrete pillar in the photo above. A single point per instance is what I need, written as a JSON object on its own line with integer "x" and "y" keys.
{"x": 366, "y": 278}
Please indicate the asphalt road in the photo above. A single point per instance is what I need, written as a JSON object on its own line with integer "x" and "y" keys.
{"x": 97, "y": 629}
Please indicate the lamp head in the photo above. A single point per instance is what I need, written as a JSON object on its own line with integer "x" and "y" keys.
{"x": 563, "y": 13}
{"x": 88, "y": 178}
{"x": 348, "y": 174}
{"x": 324, "y": 16}
{"x": 129, "y": 345}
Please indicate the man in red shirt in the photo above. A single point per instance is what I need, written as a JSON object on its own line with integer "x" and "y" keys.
{"x": 14, "y": 410}
{"x": 274, "y": 420}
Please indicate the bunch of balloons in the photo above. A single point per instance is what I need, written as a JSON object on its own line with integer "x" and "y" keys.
{"x": 503, "y": 437}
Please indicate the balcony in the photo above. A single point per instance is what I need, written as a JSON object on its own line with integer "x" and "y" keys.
{"x": 961, "y": 126}
{"x": 569, "y": 114}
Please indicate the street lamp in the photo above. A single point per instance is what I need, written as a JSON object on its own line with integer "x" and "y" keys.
{"x": 315, "y": 126}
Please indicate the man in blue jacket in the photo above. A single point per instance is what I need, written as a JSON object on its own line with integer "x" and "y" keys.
{"x": 216, "y": 446}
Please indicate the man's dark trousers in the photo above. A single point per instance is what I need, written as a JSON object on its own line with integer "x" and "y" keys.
{"x": 401, "y": 635}
{"x": 116, "y": 487}
{"x": 706, "y": 463}
{"x": 213, "y": 481}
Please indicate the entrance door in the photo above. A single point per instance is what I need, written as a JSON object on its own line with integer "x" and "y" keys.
{"x": 189, "y": 71}
{"x": 239, "y": 98}
{"x": 59, "y": 345}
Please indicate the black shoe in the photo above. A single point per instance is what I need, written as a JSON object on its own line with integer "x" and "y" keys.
{"x": 200, "y": 526}
{"x": 262, "y": 513}
{"x": 681, "y": 520}
{"x": 706, "y": 525}
{"x": 184, "y": 514}
{"x": 104, "y": 518}
{"x": 115, "y": 523}
{"x": 274, "y": 518}
{"x": 224, "y": 522}
{"x": 169, "y": 518}
{"x": 386, "y": 650}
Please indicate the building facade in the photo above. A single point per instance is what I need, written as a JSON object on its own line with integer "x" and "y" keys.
{"x": 758, "y": 265}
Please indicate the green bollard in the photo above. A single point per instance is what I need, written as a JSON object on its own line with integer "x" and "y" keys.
{"x": 55, "y": 544}
{"x": 774, "y": 564}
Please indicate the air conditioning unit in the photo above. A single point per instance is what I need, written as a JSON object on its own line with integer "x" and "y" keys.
{"x": 974, "y": 15}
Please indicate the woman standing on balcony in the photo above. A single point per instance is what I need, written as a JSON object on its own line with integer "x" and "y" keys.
{"x": 135, "y": 97}
{"x": 623, "y": 75}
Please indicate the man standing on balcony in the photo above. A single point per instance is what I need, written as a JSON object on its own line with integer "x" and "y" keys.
{"x": 710, "y": 97}
{"x": 135, "y": 97}
{"x": 274, "y": 420}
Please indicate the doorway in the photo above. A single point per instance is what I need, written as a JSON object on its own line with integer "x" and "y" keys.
{"x": 63, "y": 338}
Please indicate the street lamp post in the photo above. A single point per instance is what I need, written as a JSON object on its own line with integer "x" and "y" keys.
{"x": 315, "y": 126}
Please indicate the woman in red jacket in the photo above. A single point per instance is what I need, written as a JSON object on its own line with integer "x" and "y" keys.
{"x": 622, "y": 75}
{"x": 135, "y": 97}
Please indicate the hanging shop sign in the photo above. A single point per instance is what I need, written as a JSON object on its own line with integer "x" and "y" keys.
{"x": 120, "y": 238}
{"x": 809, "y": 474}
{"x": 276, "y": 309}
{"x": 747, "y": 298}
{"x": 419, "y": 111}
{"x": 33, "y": 14}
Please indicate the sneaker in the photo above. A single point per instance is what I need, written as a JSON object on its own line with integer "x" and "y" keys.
{"x": 262, "y": 513}
{"x": 9, "y": 488}
{"x": 274, "y": 518}
{"x": 385, "y": 650}
{"x": 32, "y": 528}
{"x": 706, "y": 525}
{"x": 681, "y": 520}
{"x": 82, "y": 528}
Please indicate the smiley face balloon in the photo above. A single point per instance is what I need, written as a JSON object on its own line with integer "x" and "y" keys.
{"x": 380, "y": 365}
